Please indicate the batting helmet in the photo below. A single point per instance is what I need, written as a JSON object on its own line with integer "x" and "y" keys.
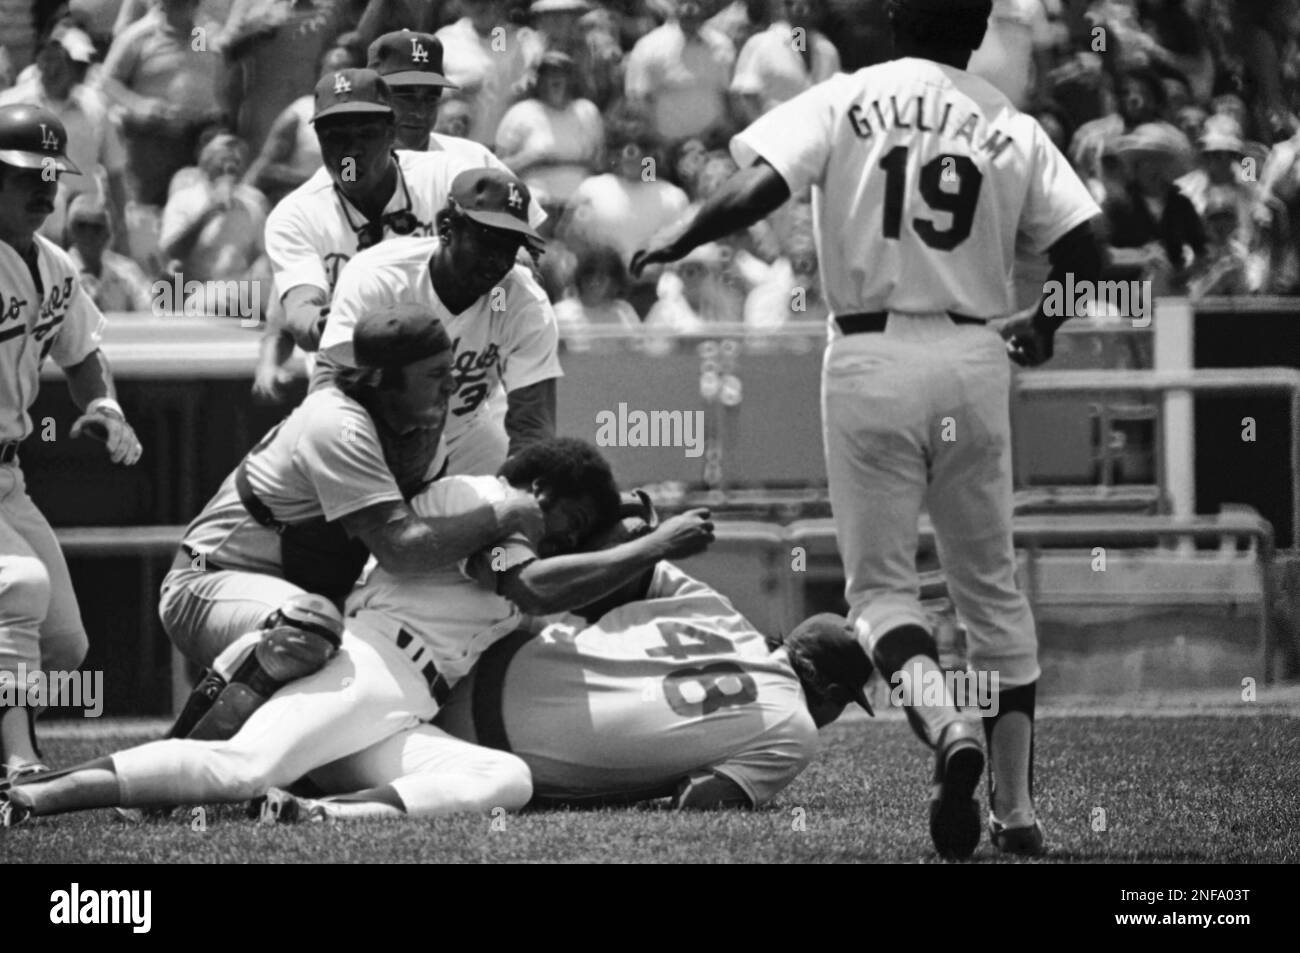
{"x": 825, "y": 652}
{"x": 33, "y": 138}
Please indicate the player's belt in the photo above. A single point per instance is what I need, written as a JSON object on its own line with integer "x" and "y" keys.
{"x": 413, "y": 650}
{"x": 8, "y": 452}
{"x": 873, "y": 322}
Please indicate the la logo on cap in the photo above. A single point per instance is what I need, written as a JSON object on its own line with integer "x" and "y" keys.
{"x": 49, "y": 138}
{"x": 516, "y": 200}
{"x": 341, "y": 84}
{"x": 418, "y": 53}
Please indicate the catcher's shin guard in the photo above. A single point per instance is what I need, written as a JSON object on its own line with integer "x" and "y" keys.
{"x": 298, "y": 639}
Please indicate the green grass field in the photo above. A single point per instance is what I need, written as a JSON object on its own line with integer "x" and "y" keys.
{"x": 1204, "y": 787}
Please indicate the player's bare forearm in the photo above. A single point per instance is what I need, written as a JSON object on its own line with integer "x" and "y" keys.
{"x": 306, "y": 309}
{"x": 749, "y": 195}
{"x": 562, "y": 583}
{"x": 406, "y": 544}
{"x": 90, "y": 380}
{"x": 1078, "y": 253}
{"x": 530, "y": 414}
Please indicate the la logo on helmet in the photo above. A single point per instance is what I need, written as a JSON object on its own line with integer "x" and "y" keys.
{"x": 418, "y": 53}
{"x": 341, "y": 84}
{"x": 516, "y": 200}
{"x": 49, "y": 138}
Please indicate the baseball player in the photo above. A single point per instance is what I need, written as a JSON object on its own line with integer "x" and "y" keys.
{"x": 364, "y": 192}
{"x": 500, "y": 320}
{"x": 43, "y": 313}
{"x": 255, "y": 590}
{"x": 673, "y": 695}
{"x": 925, "y": 177}
{"x": 409, "y": 637}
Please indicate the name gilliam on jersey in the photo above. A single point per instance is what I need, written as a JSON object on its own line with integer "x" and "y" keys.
{"x": 913, "y": 114}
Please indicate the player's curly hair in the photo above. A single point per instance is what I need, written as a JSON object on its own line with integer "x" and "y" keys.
{"x": 930, "y": 25}
{"x": 567, "y": 467}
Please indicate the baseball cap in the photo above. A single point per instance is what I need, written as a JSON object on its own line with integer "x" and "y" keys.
{"x": 32, "y": 136}
{"x": 828, "y": 643}
{"x": 352, "y": 91}
{"x": 396, "y": 335}
{"x": 407, "y": 58}
{"x": 496, "y": 199}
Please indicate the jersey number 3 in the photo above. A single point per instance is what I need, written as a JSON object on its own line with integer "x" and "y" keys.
{"x": 934, "y": 174}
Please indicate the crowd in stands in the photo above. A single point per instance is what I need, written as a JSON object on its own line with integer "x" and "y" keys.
{"x": 191, "y": 119}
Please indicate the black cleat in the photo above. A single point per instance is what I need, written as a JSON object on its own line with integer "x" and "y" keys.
{"x": 1027, "y": 841}
{"x": 954, "y": 812}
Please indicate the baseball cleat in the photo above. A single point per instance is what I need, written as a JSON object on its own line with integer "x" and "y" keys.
{"x": 954, "y": 812}
{"x": 281, "y": 807}
{"x": 14, "y": 808}
{"x": 1027, "y": 841}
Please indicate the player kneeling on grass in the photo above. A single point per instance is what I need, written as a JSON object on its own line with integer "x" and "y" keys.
{"x": 672, "y": 693}
{"x": 254, "y": 592}
{"x": 360, "y": 723}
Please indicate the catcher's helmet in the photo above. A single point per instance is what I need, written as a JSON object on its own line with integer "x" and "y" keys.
{"x": 33, "y": 138}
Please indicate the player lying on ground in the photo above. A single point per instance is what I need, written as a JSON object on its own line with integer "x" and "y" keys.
{"x": 269, "y": 561}
{"x": 408, "y": 637}
{"x": 661, "y": 689}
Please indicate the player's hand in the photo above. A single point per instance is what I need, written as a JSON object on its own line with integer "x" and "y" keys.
{"x": 1028, "y": 343}
{"x": 522, "y": 514}
{"x": 684, "y": 535}
{"x": 270, "y": 383}
{"x": 112, "y": 430}
{"x": 646, "y": 257}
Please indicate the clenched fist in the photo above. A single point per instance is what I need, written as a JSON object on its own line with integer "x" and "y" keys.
{"x": 111, "y": 429}
{"x": 685, "y": 535}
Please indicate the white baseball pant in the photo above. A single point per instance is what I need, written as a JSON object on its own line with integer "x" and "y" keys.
{"x": 917, "y": 416}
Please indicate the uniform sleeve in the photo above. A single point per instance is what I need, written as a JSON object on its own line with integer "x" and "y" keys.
{"x": 295, "y": 258}
{"x": 358, "y": 288}
{"x": 340, "y": 454}
{"x": 777, "y": 758}
{"x": 794, "y": 137}
{"x": 1057, "y": 200}
{"x": 457, "y": 495}
{"x": 530, "y": 353}
{"x": 81, "y": 332}
{"x": 671, "y": 582}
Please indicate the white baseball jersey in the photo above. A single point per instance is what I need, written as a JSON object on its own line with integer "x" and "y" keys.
{"x": 451, "y": 613}
{"x": 508, "y": 338}
{"x": 655, "y": 690}
{"x": 310, "y": 235}
{"x": 57, "y": 319}
{"x": 924, "y": 179}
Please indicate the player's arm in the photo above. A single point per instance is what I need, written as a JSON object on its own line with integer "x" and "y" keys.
{"x": 90, "y": 383}
{"x": 530, "y": 414}
{"x": 406, "y": 544}
{"x": 706, "y": 791}
{"x": 748, "y": 196}
{"x": 306, "y": 310}
{"x": 1030, "y": 341}
{"x": 563, "y": 583}
{"x": 273, "y": 352}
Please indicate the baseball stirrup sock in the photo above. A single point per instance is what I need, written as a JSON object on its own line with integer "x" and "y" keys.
{"x": 1019, "y": 699}
{"x": 201, "y": 699}
{"x": 892, "y": 653}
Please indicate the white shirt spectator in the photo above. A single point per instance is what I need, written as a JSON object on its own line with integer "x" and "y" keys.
{"x": 566, "y": 142}
{"x": 624, "y": 214}
{"x": 489, "y": 69}
{"x": 685, "y": 80}
{"x": 772, "y": 67}
{"x": 1006, "y": 59}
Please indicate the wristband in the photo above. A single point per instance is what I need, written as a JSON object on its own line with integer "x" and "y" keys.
{"x": 106, "y": 403}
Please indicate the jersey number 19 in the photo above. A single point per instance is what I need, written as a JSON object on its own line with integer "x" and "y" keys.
{"x": 941, "y": 169}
